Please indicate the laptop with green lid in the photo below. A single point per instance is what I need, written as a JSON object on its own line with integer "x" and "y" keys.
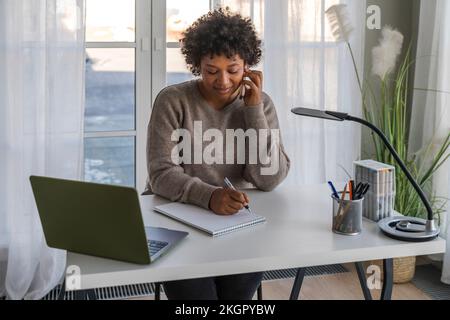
{"x": 99, "y": 220}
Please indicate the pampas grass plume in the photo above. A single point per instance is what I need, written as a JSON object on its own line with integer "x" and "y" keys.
{"x": 385, "y": 55}
{"x": 341, "y": 26}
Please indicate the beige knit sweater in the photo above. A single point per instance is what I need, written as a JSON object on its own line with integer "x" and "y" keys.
{"x": 205, "y": 163}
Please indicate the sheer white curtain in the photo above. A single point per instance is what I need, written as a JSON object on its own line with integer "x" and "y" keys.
{"x": 304, "y": 66}
{"x": 431, "y": 109}
{"x": 41, "y": 117}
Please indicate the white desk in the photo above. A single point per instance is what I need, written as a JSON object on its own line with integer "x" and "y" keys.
{"x": 297, "y": 234}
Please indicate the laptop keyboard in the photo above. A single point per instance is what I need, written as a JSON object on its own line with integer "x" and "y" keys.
{"x": 154, "y": 246}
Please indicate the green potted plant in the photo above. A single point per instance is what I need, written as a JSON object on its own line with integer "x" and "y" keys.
{"x": 387, "y": 109}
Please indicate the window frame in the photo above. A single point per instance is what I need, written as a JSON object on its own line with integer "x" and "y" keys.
{"x": 142, "y": 90}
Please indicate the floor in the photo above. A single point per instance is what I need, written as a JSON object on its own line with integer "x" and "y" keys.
{"x": 342, "y": 286}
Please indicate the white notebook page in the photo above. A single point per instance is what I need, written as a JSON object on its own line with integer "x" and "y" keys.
{"x": 208, "y": 221}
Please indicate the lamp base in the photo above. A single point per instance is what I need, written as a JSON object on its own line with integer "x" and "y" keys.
{"x": 409, "y": 229}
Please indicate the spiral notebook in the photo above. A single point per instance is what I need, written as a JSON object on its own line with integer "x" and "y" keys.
{"x": 207, "y": 221}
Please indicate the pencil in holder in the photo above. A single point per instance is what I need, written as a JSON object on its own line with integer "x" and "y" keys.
{"x": 347, "y": 216}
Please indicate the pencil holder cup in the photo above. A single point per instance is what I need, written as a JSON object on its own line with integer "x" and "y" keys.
{"x": 347, "y": 216}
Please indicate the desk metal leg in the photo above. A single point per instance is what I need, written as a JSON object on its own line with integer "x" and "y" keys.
{"x": 297, "y": 284}
{"x": 388, "y": 279}
{"x": 157, "y": 291}
{"x": 260, "y": 295}
{"x": 363, "y": 280}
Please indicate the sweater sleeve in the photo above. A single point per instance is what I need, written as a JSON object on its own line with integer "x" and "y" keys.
{"x": 272, "y": 163}
{"x": 166, "y": 177}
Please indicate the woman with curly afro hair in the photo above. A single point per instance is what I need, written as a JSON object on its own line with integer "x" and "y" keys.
{"x": 226, "y": 99}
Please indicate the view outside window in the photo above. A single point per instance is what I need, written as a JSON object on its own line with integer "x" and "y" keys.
{"x": 180, "y": 15}
{"x": 110, "y": 92}
{"x": 110, "y": 21}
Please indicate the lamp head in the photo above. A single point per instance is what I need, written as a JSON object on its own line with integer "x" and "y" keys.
{"x": 327, "y": 115}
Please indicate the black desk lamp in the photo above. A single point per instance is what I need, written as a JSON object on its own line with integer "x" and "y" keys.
{"x": 399, "y": 227}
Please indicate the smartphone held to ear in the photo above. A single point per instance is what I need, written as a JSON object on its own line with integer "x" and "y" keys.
{"x": 242, "y": 95}
{"x": 244, "y": 87}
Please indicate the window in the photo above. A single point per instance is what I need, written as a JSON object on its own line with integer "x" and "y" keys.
{"x": 180, "y": 14}
{"x": 117, "y": 77}
{"x": 133, "y": 51}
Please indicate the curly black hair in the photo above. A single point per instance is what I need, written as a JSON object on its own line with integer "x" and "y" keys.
{"x": 220, "y": 32}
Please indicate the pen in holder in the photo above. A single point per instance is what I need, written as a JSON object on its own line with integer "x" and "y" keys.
{"x": 347, "y": 216}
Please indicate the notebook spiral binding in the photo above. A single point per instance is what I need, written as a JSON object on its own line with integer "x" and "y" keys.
{"x": 239, "y": 227}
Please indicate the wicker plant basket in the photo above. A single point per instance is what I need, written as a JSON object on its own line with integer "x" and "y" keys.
{"x": 404, "y": 269}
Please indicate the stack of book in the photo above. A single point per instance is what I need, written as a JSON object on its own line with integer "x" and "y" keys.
{"x": 379, "y": 200}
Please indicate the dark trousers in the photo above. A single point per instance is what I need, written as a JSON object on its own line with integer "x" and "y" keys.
{"x": 234, "y": 287}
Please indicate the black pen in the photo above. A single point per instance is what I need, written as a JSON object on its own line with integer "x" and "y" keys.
{"x": 229, "y": 185}
{"x": 362, "y": 190}
{"x": 358, "y": 189}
